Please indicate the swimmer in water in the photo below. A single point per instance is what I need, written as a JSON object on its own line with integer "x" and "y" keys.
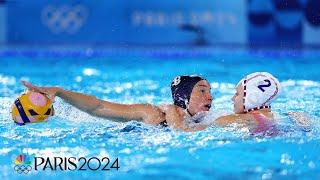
{"x": 191, "y": 96}
{"x": 252, "y": 100}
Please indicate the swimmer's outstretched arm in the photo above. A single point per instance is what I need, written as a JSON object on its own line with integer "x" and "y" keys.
{"x": 232, "y": 118}
{"x": 118, "y": 112}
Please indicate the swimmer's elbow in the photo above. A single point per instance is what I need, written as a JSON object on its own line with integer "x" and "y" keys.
{"x": 96, "y": 110}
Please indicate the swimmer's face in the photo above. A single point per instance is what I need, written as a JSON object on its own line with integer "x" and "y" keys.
{"x": 201, "y": 98}
{"x": 238, "y": 99}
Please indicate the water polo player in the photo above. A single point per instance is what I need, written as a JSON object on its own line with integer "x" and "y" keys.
{"x": 191, "y": 95}
{"x": 252, "y": 101}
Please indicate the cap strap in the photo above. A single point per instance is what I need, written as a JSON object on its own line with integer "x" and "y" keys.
{"x": 257, "y": 108}
{"x": 22, "y": 113}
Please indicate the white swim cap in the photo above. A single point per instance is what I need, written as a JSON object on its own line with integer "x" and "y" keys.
{"x": 260, "y": 89}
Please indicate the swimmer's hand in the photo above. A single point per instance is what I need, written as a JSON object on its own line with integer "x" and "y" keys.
{"x": 50, "y": 92}
{"x": 301, "y": 119}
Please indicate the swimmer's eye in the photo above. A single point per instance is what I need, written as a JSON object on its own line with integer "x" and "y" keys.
{"x": 202, "y": 90}
{"x": 48, "y": 112}
{"x": 32, "y": 112}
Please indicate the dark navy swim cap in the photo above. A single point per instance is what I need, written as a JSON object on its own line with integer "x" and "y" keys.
{"x": 181, "y": 89}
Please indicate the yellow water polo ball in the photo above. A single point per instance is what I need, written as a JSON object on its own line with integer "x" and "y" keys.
{"x": 31, "y": 107}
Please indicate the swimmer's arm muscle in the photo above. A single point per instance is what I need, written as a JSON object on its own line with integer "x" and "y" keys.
{"x": 81, "y": 101}
{"x": 125, "y": 112}
{"x": 230, "y": 119}
{"x": 118, "y": 112}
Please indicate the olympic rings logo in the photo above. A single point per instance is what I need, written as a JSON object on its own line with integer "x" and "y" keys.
{"x": 64, "y": 18}
{"x": 22, "y": 169}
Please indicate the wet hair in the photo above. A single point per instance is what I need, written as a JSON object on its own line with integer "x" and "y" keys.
{"x": 181, "y": 89}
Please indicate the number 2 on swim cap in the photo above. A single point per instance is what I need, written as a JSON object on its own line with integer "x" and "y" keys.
{"x": 264, "y": 85}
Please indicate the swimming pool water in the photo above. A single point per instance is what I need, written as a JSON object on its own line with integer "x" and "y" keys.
{"x": 144, "y": 76}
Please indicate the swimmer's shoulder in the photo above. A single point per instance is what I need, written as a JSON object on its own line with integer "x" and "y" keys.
{"x": 173, "y": 115}
{"x": 167, "y": 107}
{"x": 152, "y": 114}
{"x": 171, "y": 109}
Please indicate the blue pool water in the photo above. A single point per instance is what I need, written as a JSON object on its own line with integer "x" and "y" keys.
{"x": 143, "y": 76}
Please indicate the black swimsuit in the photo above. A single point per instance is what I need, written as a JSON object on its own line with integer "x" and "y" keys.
{"x": 164, "y": 123}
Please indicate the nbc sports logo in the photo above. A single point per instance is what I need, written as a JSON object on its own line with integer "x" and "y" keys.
{"x": 22, "y": 164}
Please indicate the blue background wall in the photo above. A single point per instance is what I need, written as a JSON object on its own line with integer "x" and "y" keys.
{"x": 284, "y": 22}
{"x": 167, "y": 22}
{"x": 2, "y": 23}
